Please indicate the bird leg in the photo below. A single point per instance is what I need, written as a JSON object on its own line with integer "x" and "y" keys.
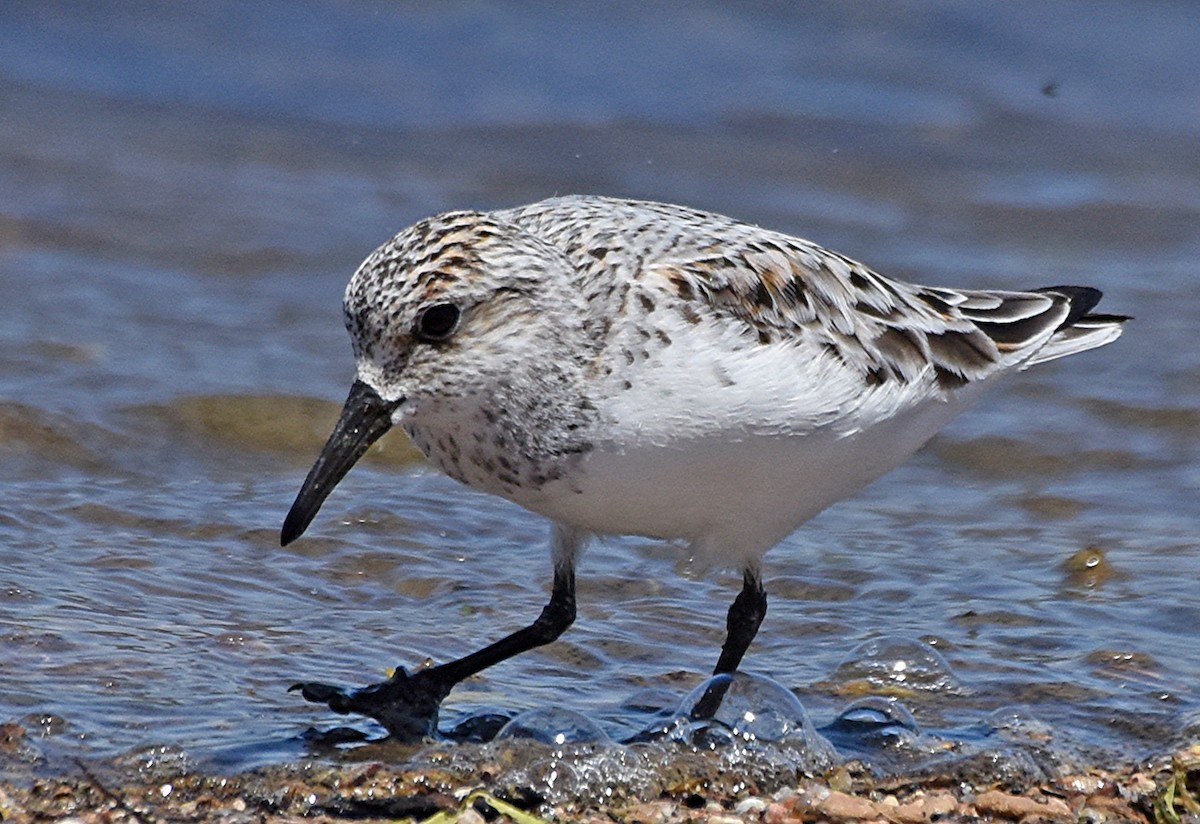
{"x": 407, "y": 705}
{"x": 745, "y": 616}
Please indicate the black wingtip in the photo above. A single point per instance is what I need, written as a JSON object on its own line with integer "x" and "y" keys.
{"x": 1102, "y": 318}
{"x": 1080, "y": 299}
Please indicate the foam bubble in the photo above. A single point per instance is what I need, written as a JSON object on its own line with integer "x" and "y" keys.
{"x": 875, "y": 721}
{"x": 896, "y": 664}
{"x": 753, "y": 710}
{"x": 554, "y": 726}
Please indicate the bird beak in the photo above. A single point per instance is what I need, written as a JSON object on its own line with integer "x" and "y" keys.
{"x": 364, "y": 419}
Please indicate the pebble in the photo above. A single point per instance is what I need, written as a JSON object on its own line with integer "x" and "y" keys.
{"x": 750, "y": 805}
{"x": 470, "y": 816}
{"x": 652, "y": 812}
{"x": 923, "y": 809}
{"x": 839, "y": 805}
{"x": 777, "y": 813}
{"x": 1086, "y": 784}
{"x": 1019, "y": 806}
{"x": 285, "y": 795}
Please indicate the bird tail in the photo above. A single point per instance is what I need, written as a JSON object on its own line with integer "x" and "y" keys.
{"x": 1078, "y": 331}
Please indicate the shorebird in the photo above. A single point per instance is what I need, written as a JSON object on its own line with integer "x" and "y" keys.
{"x": 626, "y": 367}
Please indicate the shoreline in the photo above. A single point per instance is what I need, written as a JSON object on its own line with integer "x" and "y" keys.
{"x": 459, "y": 783}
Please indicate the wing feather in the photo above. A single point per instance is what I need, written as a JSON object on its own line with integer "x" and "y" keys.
{"x": 788, "y": 290}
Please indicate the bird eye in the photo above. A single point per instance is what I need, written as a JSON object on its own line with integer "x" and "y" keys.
{"x": 436, "y": 323}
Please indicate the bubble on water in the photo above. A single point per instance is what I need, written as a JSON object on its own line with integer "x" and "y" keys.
{"x": 876, "y": 710}
{"x": 753, "y": 707}
{"x": 555, "y": 726}
{"x": 896, "y": 664}
{"x": 478, "y": 727}
{"x": 875, "y": 721}
{"x": 753, "y": 710}
{"x": 1018, "y": 724}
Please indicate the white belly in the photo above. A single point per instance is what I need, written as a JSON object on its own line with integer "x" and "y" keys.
{"x": 735, "y": 468}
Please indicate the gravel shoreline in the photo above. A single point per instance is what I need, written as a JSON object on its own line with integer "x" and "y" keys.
{"x": 1164, "y": 791}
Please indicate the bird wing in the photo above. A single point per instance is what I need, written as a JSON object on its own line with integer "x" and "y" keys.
{"x": 786, "y": 289}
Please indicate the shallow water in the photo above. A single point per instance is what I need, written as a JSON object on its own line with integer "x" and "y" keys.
{"x": 186, "y": 190}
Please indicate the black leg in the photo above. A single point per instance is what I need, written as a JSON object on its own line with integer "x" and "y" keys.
{"x": 745, "y": 616}
{"x": 555, "y": 618}
{"x": 407, "y": 705}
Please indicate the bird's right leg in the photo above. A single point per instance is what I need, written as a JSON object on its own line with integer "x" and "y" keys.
{"x": 407, "y": 705}
{"x": 745, "y": 616}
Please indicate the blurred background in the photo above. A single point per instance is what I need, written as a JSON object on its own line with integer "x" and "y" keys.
{"x": 186, "y": 188}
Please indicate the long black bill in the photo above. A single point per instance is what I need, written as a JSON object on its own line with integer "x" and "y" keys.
{"x": 364, "y": 419}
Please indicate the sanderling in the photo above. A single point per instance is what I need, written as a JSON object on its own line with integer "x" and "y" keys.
{"x": 642, "y": 368}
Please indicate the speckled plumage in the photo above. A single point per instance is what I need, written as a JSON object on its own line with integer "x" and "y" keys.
{"x": 629, "y": 367}
{"x": 644, "y": 368}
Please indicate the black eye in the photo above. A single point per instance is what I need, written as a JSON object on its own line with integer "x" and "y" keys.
{"x": 436, "y": 323}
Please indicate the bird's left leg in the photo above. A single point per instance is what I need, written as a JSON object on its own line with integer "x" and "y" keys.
{"x": 745, "y": 616}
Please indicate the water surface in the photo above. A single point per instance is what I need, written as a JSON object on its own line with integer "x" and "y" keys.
{"x": 187, "y": 188}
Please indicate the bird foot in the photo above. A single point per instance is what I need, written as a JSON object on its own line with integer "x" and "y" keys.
{"x": 406, "y": 705}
